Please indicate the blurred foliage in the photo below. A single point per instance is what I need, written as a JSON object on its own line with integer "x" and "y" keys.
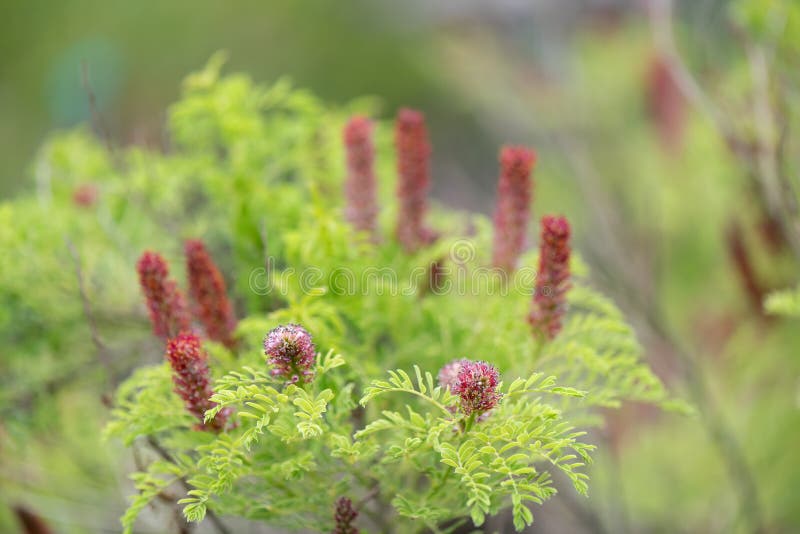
{"x": 339, "y": 51}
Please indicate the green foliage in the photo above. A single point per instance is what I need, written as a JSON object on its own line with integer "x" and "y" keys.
{"x": 294, "y": 449}
{"x": 786, "y": 302}
{"x": 257, "y": 172}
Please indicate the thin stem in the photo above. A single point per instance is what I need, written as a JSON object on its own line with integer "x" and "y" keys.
{"x": 100, "y": 347}
{"x": 371, "y": 494}
{"x": 97, "y": 119}
{"x": 469, "y": 422}
{"x": 435, "y": 490}
{"x": 418, "y": 394}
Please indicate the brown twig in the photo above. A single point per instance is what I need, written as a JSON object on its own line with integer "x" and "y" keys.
{"x": 30, "y": 521}
{"x": 97, "y": 119}
{"x": 745, "y": 270}
{"x": 371, "y": 494}
{"x": 102, "y": 351}
{"x": 762, "y": 156}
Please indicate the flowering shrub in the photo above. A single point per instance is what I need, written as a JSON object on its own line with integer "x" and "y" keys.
{"x": 325, "y": 413}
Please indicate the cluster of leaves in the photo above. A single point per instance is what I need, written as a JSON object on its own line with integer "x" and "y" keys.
{"x": 294, "y": 450}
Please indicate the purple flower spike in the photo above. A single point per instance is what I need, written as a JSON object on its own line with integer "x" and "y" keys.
{"x": 292, "y": 352}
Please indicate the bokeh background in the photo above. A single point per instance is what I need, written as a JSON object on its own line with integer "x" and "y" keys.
{"x": 668, "y": 136}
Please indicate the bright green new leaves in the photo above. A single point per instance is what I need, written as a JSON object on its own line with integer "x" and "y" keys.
{"x": 267, "y": 163}
{"x": 501, "y": 461}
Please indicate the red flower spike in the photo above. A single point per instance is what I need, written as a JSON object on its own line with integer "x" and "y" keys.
{"x": 360, "y": 188}
{"x": 413, "y": 169}
{"x": 344, "y": 516}
{"x": 553, "y": 278}
{"x": 207, "y": 288}
{"x": 192, "y": 380}
{"x": 165, "y": 302}
{"x": 512, "y": 211}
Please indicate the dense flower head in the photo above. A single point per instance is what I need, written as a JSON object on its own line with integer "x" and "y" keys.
{"x": 165, "y": 302}
{"x": 292, "y": 353}
{"x": 207, "y": 288}
{"x": 552, "y": 278}
{"x": 512, "y": 211}
{"x": 360, "y": 188}
{"x": 448, "y": 374}
{"x": 476, "y": 385}
{"x": 192, "y": 380}
{"x": 413, "y": 169}
{"x": 344, "y": 516}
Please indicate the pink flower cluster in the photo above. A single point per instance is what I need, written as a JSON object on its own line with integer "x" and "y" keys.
{"x": 192, "y": 379}
{"x": 292, "y": 353}
{"x": 475, "y": 384}
{"x": 448, "y": 374}
{"x": 552, "y": 279}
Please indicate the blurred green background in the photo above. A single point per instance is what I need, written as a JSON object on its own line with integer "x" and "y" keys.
{"x": 137, "y": 54}
{"x": 670, "y": 192}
